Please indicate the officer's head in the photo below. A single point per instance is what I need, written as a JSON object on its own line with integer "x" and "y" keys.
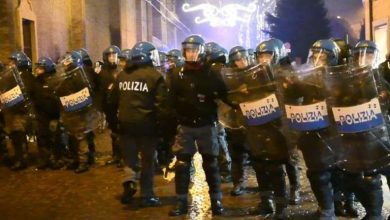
{"x": 238, "y": 57}
{"x": 110, "y": 55}
{"x": 44, "y": 65}
{"x": 324, "y": 53}
{"x": 214, "y": 53}
{"x": 125, "y": 59}
{"x": 20, "y": 60}
{"x": 175, "y": 58}
{"x": 366, "y": 53}
{"x": 193, "y": 48}
{"x": 72, "y": 60}
{"x": 144, "y": 53}
{"x": 85, "y": 56}
{"x": 270, "y": 52}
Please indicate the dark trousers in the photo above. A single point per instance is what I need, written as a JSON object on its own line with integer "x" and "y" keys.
{"x": 145, "y": 145}
{"x": 237, "y": 148}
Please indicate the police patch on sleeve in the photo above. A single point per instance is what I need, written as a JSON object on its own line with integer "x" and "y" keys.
{"x": 11, "y": 97}
{"x": 76, "y": 101}
{"x": 307, "y": 117}
{"x": 261, "y": 111}
{"x": 358, "y": 118}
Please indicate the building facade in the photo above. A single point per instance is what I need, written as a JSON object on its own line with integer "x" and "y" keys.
{"x": 377, "y": 18}
{"x": 53, "y": 27}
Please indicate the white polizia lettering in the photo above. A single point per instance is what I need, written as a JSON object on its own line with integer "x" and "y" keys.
{"x": 76, "y": 100}
{"x": 306, "y": 113}
{"x": 11, "y": 97}
{"x": 133, "y": 86}
{"x": 260, "y": 111}
{"x": 358, "y": 117}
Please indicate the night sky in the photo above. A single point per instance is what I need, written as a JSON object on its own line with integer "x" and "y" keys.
{"x": 350, "y": 10}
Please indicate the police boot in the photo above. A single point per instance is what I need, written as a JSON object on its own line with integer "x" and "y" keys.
{"x": 266, "y": 207}
{"x": 91, "y": 158}
{"x": 339, "y": 209}
{"x": 112, "y": 161}
{"x": 374, "y": 197}
{"x": 129, "y": 190}
{"x": 73, "y": 165}
{"x": 19, "y": 143}
{"x": 237, "y": 190}
{"x": 83, "y": 167}
{"x": 56, "y": 164}
{"x": 292, "y": 171}
{"x": 216, "y": 207}
{"x": 116, "y": 151}
{"x": 4, "y": 156}
{"x": 180, "y": 208}
{"x": 150, "y": 202}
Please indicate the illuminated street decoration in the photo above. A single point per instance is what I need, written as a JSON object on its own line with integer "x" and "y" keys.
{"x": 227, "y": 15}
{"x": 255, "y": 31}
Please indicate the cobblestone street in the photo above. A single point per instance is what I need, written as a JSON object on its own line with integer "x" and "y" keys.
{"x": 33, "y": 194}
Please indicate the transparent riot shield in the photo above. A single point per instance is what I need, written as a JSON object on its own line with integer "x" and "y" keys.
{"x": 356, "y": 111}
{"x": 304, "y": 98}
{"x": 255, "y": 91}
{"x": 13, "y": 92}
{"x": 230, "y": 118}
{"x": 306, "y": 115}
{"x": 73, "y": 89}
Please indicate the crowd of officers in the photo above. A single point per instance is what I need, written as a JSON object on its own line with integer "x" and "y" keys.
{"x": 161, "y": 106}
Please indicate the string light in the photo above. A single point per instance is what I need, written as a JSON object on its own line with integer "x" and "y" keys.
{"x": 184, "y": 28}
{"x": 228, "y": 15}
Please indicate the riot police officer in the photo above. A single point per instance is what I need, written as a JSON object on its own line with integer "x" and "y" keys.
{"x": 47, "y": 110}
{"x": 139, "y": 119}
{"x": 4, "y": 157}
{"x": 267, "y": 145}
{"x": 88, "y": 67}
{"x": 18, "y": 117}
{"x": 365, "y": 181}
{"x": 79, "y": 116}
{"x": 216, "y": 59}
{"x": 321, "y": 142}
{"x": 272, "y": 52}
{"x": 175, "y": 58}
{"x": 192, "y": 92}
{"x": 107, "y": 76}
{"x": 125, "y": 59}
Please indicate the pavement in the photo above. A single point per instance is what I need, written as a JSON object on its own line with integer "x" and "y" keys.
{"x": 62, "y": 194}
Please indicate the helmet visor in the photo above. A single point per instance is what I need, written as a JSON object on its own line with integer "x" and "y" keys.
{"x": 318, "y": 57}
{"x": 192, "y": 51}
{"x": 366, "y": 57}
{"x": 155, "y": 57}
